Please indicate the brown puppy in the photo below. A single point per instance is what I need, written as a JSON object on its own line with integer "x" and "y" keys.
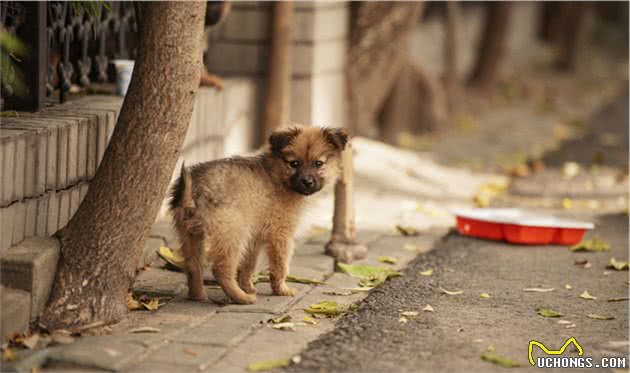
{"x": 226, "y": 211}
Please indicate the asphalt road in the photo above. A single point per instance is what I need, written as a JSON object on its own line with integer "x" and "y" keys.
{"x": 462, "y": 327}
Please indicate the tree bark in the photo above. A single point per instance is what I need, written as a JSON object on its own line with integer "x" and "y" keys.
{"x": 450, "y": 51}
{"x": 492, "y": 45}
{"x": 379, "y": 50}
{"x": 571, "y": 40}
{"x": 101, "y": 244}
{"x": 279, "y": 68}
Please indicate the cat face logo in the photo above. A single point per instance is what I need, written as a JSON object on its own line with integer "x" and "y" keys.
{"x": 547, "y": 351}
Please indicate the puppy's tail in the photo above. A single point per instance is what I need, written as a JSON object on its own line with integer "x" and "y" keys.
{"x": 181, "y": 193}
{"x": 182, "y": 204}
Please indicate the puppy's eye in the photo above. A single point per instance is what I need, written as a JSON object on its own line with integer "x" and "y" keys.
{"x": 294, "y": 164}
{"x": 319, "y": 164}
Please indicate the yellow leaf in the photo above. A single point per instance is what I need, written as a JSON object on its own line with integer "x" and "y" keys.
{"x": 427, "y": 272}
{"x": 618, "y": 265}
{"x": 484, "y": 295}
{"x": 152, "y": 305}
{"x": 309, "y": 320}
{"x": 132, "y": 303}
{"x": 567, "y": 203}
{"x": 428, "y": 308}
{"x": 456, "y": 292}
{"x": 262, "y": 366}
{"x": 171, "y": 257}
{"x": 586, "y": 295}
{"x": 387, "y": 259}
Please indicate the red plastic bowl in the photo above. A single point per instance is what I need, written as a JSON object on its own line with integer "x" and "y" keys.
{"x": 519, "y": 227}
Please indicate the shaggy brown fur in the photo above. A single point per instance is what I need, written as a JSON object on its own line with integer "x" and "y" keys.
{"x": 226, "y": 211}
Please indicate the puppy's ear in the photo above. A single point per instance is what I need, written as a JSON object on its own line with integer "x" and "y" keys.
{"x": 281, "y": 139}
{"x": 338, "y": 137}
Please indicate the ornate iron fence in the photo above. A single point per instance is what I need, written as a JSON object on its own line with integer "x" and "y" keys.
{"x": 67, "y": 47}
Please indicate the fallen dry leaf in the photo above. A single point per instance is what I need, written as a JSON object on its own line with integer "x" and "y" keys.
{"x": 152, "y": 305}
{"x": 493, "y": 358}
{"x": 190, "y": 352}
{"x": 327, "y": 307}
{"x": 281, "y": 319}
{"x": 539, "y": 290}
{"x": 484, "y": 295}
{"x": 568, "y": 287}
{"x": 586, "y": 295}
{"x": 145, "y": 329}
{"x": 309, "y": 320}
{"x": 547, "y": 312}
{"x": 456, "y": 292}
{"x": 132, "y": 303}
{"x": 618, "y": 299}
{"x": 387, "y": 259}
{"x": 262, "y": 366}
{"x": 593, "y": 245}
{"x": 427, "y": 272}
{"x": 600, "y": 317}
{"x": 284, "y": 326}
{"x": 618, "y": 265}
{"x": 8, "y": 355}
{"x": 564, "y": 322}
{"x": 30, "y": 342}
{"x": 174, "y": 260}
{"x": 428, "y": 308}
{"x": 407, "y": 231}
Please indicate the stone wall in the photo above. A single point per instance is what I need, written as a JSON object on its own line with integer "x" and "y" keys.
{"x": 240, "y": 46}
{"x": 47, "y": 159}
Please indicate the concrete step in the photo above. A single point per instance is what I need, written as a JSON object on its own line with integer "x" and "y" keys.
{"x": 15, "y": 308}
{"x": 30, "y": 266}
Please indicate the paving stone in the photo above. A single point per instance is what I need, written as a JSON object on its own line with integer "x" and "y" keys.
{"x": 31, "y": 266}
{"x": 267, "y": 344}
{"x": 223, "y": 329}
{"x": 14, "y": 315}
{"x": 265, "y": 303}
{"x": 160, "y": 281}
{"x": 181, "y": 306}
{"x": 319, "y": 263}
{"x": 161, "y": 367}
{"x": 199, "y": 356}
{"x": 98, "y": 352}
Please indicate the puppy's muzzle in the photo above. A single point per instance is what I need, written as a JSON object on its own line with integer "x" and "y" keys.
{"x": 306, "y": 184}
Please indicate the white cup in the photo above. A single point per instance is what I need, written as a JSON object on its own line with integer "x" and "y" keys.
{"x": 124, "y": 68}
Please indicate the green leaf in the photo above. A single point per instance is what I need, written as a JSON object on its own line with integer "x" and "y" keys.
{"x": 594, "y": 245}
{"x": 493, "y": 358}
{"x": 262, "y": 366}
{"x": 618, "y": 265}
{"x": 600, "y": 317}
{"x": 548, "y": 313}
{"x": 303, "y": 280}
{"x": 370, "y": 276}
{"x": 327, "y": 307}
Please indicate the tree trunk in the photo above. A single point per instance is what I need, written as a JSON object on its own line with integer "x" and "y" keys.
{"x": 571, "y": 40}
{"x": 450, "y": 52}
{"x": 492, "y": 44}
{"x": 279, "y": 68}
{"x": 101, "y": 244}
{"x": 379, "y": 50}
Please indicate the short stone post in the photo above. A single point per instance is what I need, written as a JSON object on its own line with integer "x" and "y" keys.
{"x": 343, "y": 245}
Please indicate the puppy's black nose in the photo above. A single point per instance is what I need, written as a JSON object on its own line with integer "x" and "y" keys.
{"x": 308, "y": 181}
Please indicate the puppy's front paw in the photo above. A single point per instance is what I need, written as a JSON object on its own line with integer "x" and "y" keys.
{"x": 197, "y": 295}
{"x": 245, "y": 299}
{"x": 248, "y": 287}
{"x": 284, "y": 290}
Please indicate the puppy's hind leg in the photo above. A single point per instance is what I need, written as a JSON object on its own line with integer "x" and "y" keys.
{"x": 224, "y": 270}
{"x": 246, "y": 270}
{"x": 194, "y": 254}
